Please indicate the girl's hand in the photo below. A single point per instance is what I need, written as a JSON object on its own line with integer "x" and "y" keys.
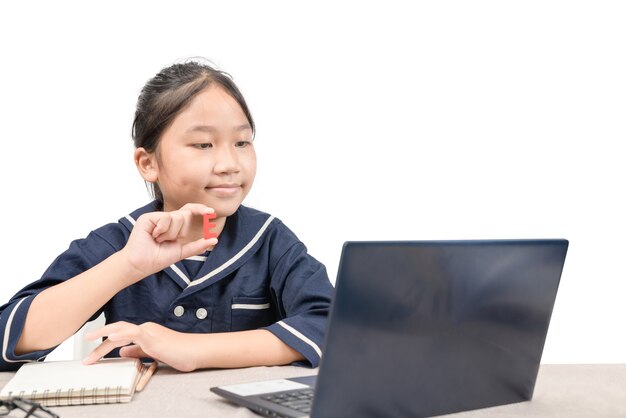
{"x": 158, "y": 239}
{"x": 147, "y": 340}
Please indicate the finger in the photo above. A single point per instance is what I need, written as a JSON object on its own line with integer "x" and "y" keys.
{"x": 106, "y": 330}
{"x": 133, "y": 351}
{"x": 102, "y": 350}
{"x": 173, "y": 230}
{"x": 162, "y": 224}
{"x": 197, "y": 208}
{"x": 197, "y": 247}
{"x": 131, "y": 334}
{"x": 190, "y": 210}
{"x": 187, "y": 222}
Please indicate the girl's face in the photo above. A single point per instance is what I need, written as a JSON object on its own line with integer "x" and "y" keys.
{"x": 206, "y": 155}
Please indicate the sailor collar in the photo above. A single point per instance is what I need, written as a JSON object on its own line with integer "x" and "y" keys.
{"x": 239, "y": 240}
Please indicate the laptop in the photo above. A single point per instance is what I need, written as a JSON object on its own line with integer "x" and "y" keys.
{"x": 425, "y": 328}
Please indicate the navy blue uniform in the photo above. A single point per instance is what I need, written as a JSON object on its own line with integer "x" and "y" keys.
{"x": 258, "y": 276}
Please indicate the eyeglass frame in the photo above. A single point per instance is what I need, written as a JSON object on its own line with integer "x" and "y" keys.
{"x": 29, "y": 407}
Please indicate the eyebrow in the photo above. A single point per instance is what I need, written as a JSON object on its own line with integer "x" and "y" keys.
{"x": 210, "y": 128}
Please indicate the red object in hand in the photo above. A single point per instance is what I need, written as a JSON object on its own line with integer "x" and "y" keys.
{"x": 208, "y": 225}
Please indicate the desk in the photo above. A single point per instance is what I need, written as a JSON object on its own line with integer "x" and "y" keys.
{"x": 561, "y": 391}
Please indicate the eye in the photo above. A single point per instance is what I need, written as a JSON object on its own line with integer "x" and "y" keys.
{"x": 203, "y": 146}
{"x": 242, "y": 144}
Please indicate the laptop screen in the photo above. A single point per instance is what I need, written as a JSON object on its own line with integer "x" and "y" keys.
{"x": 435, "y": 327}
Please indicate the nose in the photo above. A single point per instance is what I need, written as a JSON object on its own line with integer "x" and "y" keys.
{"x": 226, "y": 160}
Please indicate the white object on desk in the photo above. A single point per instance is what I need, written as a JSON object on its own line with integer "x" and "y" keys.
{"x": 76, "y": 347}
{"x": 82, "y": 347}
{"x": 268, "y": 386}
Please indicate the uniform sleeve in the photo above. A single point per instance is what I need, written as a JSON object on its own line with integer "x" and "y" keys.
{"x": 303, "y": 292}
{"x": 80, "y": 256}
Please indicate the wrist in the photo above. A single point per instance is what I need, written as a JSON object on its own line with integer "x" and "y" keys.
{"x": 181, "y": 350}
{"x": 129, "y": 274}
{"x": 192, "y": 343}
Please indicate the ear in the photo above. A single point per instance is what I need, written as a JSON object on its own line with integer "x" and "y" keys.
{"x": 147, "y": 165}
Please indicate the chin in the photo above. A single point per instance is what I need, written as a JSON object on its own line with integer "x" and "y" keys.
{"x": 225, "y": 210}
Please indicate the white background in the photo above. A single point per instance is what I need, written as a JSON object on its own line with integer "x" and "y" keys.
{"x": 376, "y": 120}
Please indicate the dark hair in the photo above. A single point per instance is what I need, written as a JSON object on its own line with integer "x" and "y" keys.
{"x": 166, "y": 94}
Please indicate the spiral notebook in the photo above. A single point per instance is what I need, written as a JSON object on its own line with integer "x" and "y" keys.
{"x": 59, "y": 383}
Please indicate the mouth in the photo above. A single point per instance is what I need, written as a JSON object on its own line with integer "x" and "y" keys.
{"x": 224, "y": 189}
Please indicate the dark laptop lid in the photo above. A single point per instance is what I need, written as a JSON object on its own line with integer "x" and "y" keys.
{"x": 428, "y": 328}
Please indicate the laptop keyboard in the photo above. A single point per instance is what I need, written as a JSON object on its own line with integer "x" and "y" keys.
{"x": 300, "y": 400}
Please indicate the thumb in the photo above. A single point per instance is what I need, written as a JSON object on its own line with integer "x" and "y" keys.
{"x": 197, "y": 247}
{"x": 133, "y": 351}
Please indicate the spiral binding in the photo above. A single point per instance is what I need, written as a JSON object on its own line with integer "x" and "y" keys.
{"x": 83, "y": 396}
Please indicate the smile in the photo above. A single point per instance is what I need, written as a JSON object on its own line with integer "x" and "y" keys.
{"x": 224, "y": 189}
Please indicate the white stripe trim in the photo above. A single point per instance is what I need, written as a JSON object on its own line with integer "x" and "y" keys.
{"x": 250, "y": 306}
{"x": 197, "y": 258}
{"x": 236, "y": 256}
{"x": 180, "y": 273}
{"x": 302, "y": 337}
{"x": 7, "y": 329}
{"x": 131, "y": 220}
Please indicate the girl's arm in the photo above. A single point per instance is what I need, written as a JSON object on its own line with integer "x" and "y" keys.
{"x": 187, "y": 352}
{"x": 59, "y": 311}
{"x": 157, "y": 240}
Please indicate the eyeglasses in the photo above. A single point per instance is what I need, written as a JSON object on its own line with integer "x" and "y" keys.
{"x": 30, "y": 408}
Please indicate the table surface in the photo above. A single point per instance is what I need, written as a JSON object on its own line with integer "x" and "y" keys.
{"x": 572, "y": 390}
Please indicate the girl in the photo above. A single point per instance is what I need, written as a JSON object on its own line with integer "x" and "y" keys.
{"x": 252, "y": 296}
